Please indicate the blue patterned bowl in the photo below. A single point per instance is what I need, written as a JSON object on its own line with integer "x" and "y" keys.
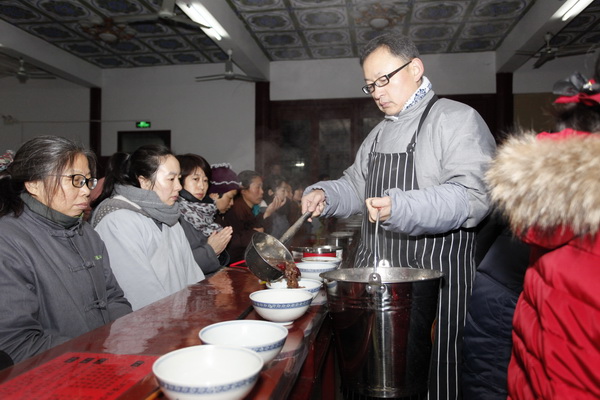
{"x": 208, "y": 372}
{"x": 265, "y": 338}
{"x": 313, "y": 267}
{"x": 311, "y": 285}
{"x": 281, "y": 305}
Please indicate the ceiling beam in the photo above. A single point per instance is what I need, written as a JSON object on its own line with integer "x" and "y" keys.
{"x": 528, "y": 35}
{"x": 18, "y": 43}
{"x": 247, "y": 55}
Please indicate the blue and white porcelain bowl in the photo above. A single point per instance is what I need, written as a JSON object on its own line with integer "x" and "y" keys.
{"x": 281, "y": 305}
{"x": 263, "y": 337}
{"x": 313, "y": 267}
{"x": 311, "y": 285}
{"x": 208, "y": 372}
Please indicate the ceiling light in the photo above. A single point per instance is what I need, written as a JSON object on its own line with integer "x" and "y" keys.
{"x": 199, "y": 14}
{"x": 380, "y": 14}
{"x": 106, "y": 30}
{"x": 573, "y": 8}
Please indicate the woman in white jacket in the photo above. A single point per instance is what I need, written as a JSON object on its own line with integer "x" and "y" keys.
{"x": 137, "y": 217}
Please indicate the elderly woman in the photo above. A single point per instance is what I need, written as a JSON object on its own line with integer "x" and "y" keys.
{"x": 207, "y": 238}
{"x": 55, "y": 277}
{"x": 244, "y": 216}
{"x": 139, "y": 223}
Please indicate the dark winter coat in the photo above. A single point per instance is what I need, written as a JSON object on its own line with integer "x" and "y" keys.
{"x": 56, "y": 284}
{"x": 487, "y": 337}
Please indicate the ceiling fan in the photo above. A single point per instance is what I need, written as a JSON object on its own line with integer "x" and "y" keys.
{"x": 112, "y": 30}
{"x": 549, "y": 52}
{"x": 229, "y": 74}
{"x": 10, "y": 66}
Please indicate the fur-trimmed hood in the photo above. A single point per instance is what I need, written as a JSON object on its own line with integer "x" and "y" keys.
{"x": 548, "y": 183}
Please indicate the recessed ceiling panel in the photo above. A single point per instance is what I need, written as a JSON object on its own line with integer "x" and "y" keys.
{"x": 282, "y": 29}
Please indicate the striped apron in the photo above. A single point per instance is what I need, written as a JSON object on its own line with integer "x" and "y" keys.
{"x": 451, "y": 253}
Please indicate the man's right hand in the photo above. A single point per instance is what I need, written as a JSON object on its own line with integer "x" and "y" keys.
{"x": 314, "y": 202}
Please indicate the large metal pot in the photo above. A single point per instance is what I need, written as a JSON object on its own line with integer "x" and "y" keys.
{"x": 383, "y": 324}
{"x": 266, "y": 256}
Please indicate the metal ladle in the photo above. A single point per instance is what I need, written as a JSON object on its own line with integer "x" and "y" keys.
{"x": 375, "y": 284}
{"x": 265, "y": 254}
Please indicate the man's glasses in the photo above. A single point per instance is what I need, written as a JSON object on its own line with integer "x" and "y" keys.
{"x": 382, "y": 80}
{"x": 79, "y": 180}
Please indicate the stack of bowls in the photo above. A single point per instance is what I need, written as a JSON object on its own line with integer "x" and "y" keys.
{"x": 311, "y": 285}
{"x": 313, "y": 267}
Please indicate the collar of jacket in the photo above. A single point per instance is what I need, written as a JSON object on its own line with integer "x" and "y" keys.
{"x": 188, "y": 196}
{"x": 50, "y": 214}
{"x": 414, "y": 99}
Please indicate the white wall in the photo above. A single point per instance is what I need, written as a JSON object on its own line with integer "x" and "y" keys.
{"x": 529, "y": 80}
{"x": 343, "y": 78}
{"x": 42, "y": 107}
{"x": 216, "y": 119}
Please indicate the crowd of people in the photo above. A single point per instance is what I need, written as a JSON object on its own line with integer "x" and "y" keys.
{"x": 430, "y": 172}
{"x": 78, "y": 252}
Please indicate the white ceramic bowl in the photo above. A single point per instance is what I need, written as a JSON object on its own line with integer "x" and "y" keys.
{"x": 208, "y": 372}
{"x": 312, "y": 267}
{"x": 311, "y": 285}
{"x": 265, "y": 338}
{"x": 281, "y": 305}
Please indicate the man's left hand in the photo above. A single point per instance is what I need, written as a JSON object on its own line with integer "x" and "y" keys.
{"x": 381, "y": 204}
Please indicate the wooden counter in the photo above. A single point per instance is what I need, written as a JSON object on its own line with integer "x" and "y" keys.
{"x": 174, "y": 322}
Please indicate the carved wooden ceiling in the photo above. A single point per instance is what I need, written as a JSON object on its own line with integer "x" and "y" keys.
{"x": 282, "y": 29}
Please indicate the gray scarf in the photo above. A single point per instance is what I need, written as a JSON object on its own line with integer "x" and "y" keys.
{"x": 145, "y": 202}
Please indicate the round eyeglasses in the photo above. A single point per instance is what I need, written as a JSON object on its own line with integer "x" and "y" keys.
{"x": 382, "y": 80}
{"x": 79, "y": 180}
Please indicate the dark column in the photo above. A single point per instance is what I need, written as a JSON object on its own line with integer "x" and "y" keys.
{"x": 96, "y": 126}
{"x": 261, "y": 122}
{"x": 504, "y": 103}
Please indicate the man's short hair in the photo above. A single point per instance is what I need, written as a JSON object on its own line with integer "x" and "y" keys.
{"x": 397, "y": 44}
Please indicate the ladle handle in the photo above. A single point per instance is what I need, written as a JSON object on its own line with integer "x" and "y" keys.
{"x": 294, "y": 228}
{"x": 376, "y": 252}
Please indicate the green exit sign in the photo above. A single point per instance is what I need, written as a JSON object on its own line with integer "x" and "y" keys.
{"x": 143, "y": 124}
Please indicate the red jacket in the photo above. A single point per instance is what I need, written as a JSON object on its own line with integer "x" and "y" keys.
{"x": 550, "y": 189}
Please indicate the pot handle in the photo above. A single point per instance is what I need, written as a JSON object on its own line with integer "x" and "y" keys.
{"x": 375, "y": 285}
{"x": 295, "y": 227}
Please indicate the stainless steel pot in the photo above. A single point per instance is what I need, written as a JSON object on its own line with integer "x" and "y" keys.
{"x": 322, "y": 251}
{"x": 383, "y": 324}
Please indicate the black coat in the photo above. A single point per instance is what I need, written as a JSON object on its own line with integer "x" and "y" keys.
{"x": 487, "y": 339}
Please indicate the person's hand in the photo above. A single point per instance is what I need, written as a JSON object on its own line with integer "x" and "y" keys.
{"x": 381, "y": 204}
{"x": 219, "y": 240}
{"x": 274, "y": 206}
{"x": 259, "y": 229}
{"x": 314, "y": 202}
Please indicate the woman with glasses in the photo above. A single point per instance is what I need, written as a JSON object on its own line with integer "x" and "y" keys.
{"x": 55, "y": 277}
{"x": 138, "y": 219}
